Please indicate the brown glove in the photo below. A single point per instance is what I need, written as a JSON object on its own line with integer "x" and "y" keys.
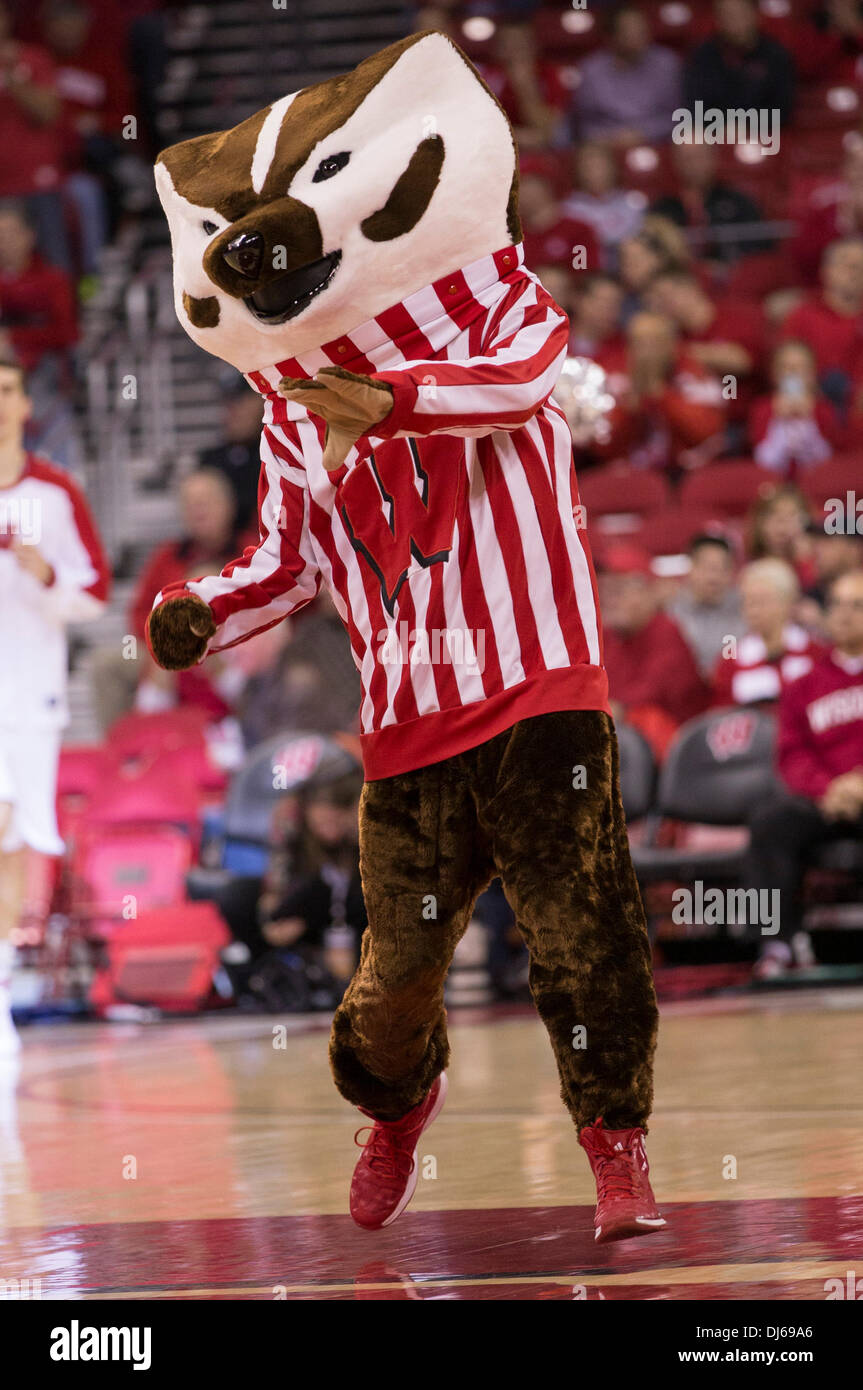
{"x": 179, "y": 630}
{"x": 349, "y": 403}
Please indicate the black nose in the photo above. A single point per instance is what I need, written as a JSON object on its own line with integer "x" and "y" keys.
{"x": 245, "y": 254}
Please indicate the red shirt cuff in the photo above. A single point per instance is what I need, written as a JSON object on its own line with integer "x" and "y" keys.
{"x": 404, "y": 403}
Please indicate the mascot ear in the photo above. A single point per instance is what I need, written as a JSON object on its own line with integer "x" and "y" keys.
{"x": 411, "y": 193}
{"x": 178, "y": 632}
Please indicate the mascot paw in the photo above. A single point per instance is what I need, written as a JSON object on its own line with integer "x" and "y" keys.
{"x": 179, "y": 631}
{"x": 350, "y": 404}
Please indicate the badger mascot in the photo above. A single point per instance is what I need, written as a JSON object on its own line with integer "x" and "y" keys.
{"x": 354, "y": 250}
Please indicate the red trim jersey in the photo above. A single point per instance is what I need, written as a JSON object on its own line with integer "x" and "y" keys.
{"x": 451, "y": 540}
{"x": 47, "y": 510}
{"x": 821, "y": 725}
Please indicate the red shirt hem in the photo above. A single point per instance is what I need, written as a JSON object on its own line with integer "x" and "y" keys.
{"x": 401, "y": 748}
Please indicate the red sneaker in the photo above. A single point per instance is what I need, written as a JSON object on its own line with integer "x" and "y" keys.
{"x": 625, "y": 1205}
{"x": 386, "y": 1175}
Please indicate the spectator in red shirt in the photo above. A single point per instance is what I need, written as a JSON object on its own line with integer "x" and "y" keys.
{"x": 37, "y": 303}
{"x": 550, "y": 237}
{"x": 832, "y": 322}
{"x": 31, "y": 148}
{"x": 653, "y": 678}
{"x": 796, "y": 426}
{"x": 820, "y": 760}
{"x": 665, "y": 403}
{"x": 596, "y": 316}
{"x": 835, "y": 211}
{"x": 727, "y": 338}
{"x": 773, "y": 650}
{"x": 91, "y": 81}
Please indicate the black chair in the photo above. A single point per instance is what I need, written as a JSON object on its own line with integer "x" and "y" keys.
{"x": 273, "y": 769}
{"x": 637, "y": 772}
{"x": 717, "y": 768}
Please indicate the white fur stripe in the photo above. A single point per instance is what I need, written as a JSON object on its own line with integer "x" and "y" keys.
{"x": 267, "y": 138}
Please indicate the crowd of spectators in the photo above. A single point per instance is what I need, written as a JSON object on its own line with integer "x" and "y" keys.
{"x": 77, "y": 84}
{"x": 687, "y": 265}
{"x": 720, "y": 289}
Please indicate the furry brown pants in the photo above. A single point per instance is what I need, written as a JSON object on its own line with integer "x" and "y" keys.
{"x": 430, "y": 842}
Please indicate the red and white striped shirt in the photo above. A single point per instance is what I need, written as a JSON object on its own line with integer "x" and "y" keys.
{"x": 450, "y": 540}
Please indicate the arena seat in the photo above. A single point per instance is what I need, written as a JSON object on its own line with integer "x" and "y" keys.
{"x": 717, "y": 768}
{"x": 82, "y": 767}
{"x": 761, "y": 273}
{"x": 669, "y": 532}
{"x": 637, "y": 772}
{"x": 158, "y": 795}
{"x": 117, "y": 872}
{"x": 568, "y": 32}
{"x": 729, "y": 486}
{"x": 826, "y": 106}
{"x": 835, "y": 478}
{"x": 614, "y": 491}
{"x": 137, "y": 735}
{"x": 821, "y": 151}
{"x": 280, "y": 765}
{"x": 166, "y": 959}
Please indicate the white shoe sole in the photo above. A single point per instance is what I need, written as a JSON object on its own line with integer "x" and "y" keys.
{"x": 643, "y": 1225}
{"x": 412, "y": 1180}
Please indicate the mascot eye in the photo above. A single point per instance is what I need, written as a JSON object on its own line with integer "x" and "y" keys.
{"x": 329, "y": 166}
{"x": 209, "y": 227}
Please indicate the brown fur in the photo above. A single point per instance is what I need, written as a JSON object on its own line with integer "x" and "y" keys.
{"x": 507, "y": 806}
{"x": 175, "y": 643}
{"x": 203, "y": 313}
{"x": 410, "y": 195}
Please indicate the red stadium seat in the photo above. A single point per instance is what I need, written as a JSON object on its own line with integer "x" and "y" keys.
{"x": 82, "y": 767}
{"x": 730, "y": 486}
{"x": 567, "y": 31}
{"x": 669, "y": 532}
{"x": 157, "y": 795}
{"x": 679, "y": 25}
{"x": 820, "y": 151}
{"x": 761, "y": 274}
{"x": 647, "y": 169}
{"x": 140, "y": 735}
{"x": 827, "y": 106}
{"x": 613, "y": 491}
{"x": 167, "y": 959}
{"x": 117, "y": 873}
{"x": 835, "y": 478}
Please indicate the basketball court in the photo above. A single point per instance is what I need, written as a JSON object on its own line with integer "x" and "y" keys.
{"x": 211, "y": 1159}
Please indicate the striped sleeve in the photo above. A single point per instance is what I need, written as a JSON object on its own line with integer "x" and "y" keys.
{"x": 501, "y": 388}
{"x": 276, "y": 577}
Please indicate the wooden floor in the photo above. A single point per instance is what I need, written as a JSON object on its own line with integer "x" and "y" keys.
{"x": 197, "y": 1160}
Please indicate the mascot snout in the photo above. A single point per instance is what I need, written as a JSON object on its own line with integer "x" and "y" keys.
{"x": 273, "y": 259}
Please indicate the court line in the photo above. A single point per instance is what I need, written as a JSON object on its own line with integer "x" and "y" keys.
{"x": 766, "y": 1271}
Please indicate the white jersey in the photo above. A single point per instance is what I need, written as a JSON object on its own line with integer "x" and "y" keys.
{"x": 45, "y": 509}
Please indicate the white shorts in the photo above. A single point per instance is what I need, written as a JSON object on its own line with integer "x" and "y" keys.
{"x": 28, "y": 781}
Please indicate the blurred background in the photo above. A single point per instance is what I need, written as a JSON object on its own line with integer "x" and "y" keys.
{"x": 210, "y": 818}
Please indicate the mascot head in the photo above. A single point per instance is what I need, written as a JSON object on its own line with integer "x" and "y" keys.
{"x": 337, "y": 201}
